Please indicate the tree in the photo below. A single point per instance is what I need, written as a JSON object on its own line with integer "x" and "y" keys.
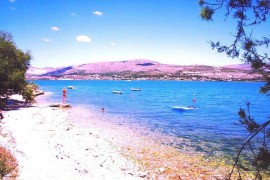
{"x": 13, "y": 65}
{"x": 251, "y": 49}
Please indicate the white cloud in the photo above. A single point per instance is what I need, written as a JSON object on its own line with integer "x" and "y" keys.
{"x": 46, "y": 39}
{"x": 54, "y": 28}
{"x": 12, "y": 1}
{"x": 112, "y": 44}
{"x": 83, "y": 38}
{"x": 98, "y": 13}
{"x": 73, "y": 14}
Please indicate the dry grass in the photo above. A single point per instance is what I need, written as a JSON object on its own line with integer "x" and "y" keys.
{"x": 8, "y": 164}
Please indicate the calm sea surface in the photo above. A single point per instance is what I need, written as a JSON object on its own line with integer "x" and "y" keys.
{"x": 209, "y": 128}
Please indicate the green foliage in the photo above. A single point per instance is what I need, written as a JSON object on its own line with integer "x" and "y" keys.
{"x": 201, "y": 2}
{"x": 207, "y": 13}
{"x": 263, "y": 158}
{"x": 247, "y": 121}
{"x": 28, "y": 95}
{"x": 13, "y": 65}
{"x": 32, "y": 86}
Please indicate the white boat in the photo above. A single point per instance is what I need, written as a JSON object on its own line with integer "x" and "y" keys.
{"x": 135, "y": 89}
{"x": 183, "y": 108}
{"x": 117, "y": 92}
{"x": 71, "y": 87}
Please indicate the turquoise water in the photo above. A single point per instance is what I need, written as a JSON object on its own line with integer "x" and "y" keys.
{"x": 209, "y": 128}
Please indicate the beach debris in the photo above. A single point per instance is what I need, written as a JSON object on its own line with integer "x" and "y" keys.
{"x": 38, "y": 92}
{"x": 162, "y": 169}
{"x": 54, "y": 105}
{"x": 60, "y": 105}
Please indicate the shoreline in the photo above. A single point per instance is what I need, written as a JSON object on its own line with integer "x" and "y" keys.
{"x": 158, "y": 160}
{"x": 49, "y": 144}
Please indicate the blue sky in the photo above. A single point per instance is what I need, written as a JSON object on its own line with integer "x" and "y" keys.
{"x": 68, "y": 32}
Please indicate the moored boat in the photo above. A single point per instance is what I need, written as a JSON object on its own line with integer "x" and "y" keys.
{"x": 71, "y": 87}
{"x": 183, "y": 108}
{"x": 135, "y": 89}
{"x": 117, "y": 92}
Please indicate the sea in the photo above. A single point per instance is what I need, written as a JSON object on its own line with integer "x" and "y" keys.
{"x": 212, "y": 127}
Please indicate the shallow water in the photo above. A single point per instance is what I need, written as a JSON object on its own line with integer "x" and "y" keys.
{"x": 210, "y": 128}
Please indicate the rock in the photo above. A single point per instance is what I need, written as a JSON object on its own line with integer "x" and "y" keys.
{"x": 162, "y": 169}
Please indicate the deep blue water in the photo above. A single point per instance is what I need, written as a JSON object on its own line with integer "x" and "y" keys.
{"x": 210, "y": 127}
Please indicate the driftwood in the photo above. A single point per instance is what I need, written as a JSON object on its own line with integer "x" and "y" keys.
{"x": 38, "y": 92}
{"x": 60, "y": 105}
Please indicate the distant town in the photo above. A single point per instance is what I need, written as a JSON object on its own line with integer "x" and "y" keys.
{"x": 144, "y": 70}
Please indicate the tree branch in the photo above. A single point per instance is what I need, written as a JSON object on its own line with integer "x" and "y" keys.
{"x": 242, "y": 147}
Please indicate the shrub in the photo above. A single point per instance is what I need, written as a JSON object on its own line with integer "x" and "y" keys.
{"x": 8, "y": 164}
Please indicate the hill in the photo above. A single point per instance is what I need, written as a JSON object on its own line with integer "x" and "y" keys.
{"x": 145, "y": 69}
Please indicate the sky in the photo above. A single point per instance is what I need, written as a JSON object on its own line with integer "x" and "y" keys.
{"x": 69, "y": 32}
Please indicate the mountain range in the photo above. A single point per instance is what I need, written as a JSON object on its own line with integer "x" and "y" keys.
{"x": 144, "y": 69}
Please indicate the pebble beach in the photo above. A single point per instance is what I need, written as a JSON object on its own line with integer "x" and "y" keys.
{"x": 47, "y": 146}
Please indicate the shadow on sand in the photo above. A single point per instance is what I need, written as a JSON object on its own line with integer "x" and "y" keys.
{"x": 14, "y": 104}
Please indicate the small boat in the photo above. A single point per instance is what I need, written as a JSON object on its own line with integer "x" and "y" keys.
{"x": 71, "y": 87}
{"x": 135, "y": 89}
{"x": 183, "y": 108}
{"x": 117, "y": 92}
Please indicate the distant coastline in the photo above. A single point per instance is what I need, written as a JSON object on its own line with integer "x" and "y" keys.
{"x": 144, "y": 70}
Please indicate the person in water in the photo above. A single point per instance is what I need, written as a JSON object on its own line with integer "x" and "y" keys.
{"x": 64, "y": 95}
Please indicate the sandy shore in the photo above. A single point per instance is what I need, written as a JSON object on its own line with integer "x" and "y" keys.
{"x": 48, "y": 146}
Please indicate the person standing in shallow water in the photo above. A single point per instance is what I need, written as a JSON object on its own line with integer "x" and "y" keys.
{"x": 64, "y": 95}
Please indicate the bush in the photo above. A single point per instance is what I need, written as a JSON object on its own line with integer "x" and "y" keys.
{"x": 28, "y": 95}
{"x": 8, "y": 164}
